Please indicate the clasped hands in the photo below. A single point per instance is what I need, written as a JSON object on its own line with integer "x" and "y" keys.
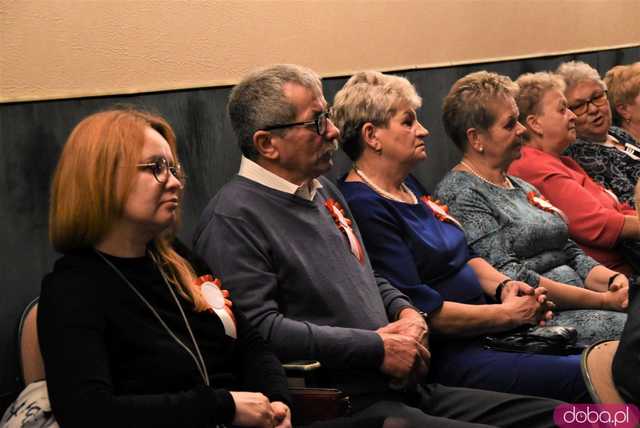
{"x": 526, "y": 305}
{"x": 253, "y": 409}
{"x": 406, "y": 357}
{"x": 617, "y": 297}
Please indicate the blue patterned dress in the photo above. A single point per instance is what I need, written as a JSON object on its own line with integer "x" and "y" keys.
{"x": 524, "y": 243}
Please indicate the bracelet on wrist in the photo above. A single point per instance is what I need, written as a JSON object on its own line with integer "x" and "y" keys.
{"x": 498, "y": 296}
{"x": 611, "y": 279}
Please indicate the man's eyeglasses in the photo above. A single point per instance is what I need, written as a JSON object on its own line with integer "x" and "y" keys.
{"x": 320, "y": 123}
{"x": 597, "y": 100}
{"x": 161, "y": 170}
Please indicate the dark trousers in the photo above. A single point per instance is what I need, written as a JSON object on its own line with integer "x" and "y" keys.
{"x": 441, "y": 406}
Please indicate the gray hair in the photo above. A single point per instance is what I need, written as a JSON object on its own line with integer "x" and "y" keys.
{"x": 533, "y": 86}
{"x": 369, "y": 96}
{"x": 574, "y": 72}
{"x": 258, "y": 101}
{"x": 469, "y": 104}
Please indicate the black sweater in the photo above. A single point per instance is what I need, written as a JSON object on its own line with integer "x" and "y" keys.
{"x": 109, "y": 361}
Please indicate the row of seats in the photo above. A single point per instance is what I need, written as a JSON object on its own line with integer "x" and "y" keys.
{"x": 309, "y": 403}
{"x": 596, "y": 369}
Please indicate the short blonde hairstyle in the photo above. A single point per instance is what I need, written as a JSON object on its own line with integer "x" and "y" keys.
{"x": 470, "y": 104}
{"x": 623, "y": 82}
{"x": 574, "y": 72}
{"x": 369, "y": 96}
{"x": 533, "y": 87}
{"x": 92, "y": 182}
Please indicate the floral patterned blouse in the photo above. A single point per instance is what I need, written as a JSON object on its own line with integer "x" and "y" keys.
{"x": 517, "y": 238}
{"x": 613, "y": 168}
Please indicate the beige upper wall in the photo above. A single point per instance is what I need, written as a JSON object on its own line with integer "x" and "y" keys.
{"x": 73, "y": 48}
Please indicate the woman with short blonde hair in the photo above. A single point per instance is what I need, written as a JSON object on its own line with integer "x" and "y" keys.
{"x": 596, "y": 220}
{"x": 623, "y": 83}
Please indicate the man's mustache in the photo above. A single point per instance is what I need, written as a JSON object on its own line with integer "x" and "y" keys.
{"x": 334, "y": 145}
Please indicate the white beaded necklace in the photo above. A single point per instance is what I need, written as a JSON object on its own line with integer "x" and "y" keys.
{"x": 507, "y": 183}
{"x": 384, "y": 193}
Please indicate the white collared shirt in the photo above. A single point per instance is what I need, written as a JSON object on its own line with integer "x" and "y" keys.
{"x": 254, "y": 172}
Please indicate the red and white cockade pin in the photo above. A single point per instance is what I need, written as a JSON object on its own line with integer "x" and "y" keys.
{"x": 344, "y": 224}
{"x": 441, "y": 211}
{"x": 541, "y": 202}
{"x": 218, "y": 302}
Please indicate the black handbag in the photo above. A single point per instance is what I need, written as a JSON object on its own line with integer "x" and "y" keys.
{"x": 554, "y": 340}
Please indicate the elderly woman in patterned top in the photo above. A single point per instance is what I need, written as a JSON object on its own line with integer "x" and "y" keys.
{"x": 505, "y": 219}
{"x": 609, "y": 154}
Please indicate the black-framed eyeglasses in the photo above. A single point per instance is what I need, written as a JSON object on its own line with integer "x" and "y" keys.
{"x": 597, "y": 100}
{"x": 320, "y": 123}
{"x": 161, "y": 170}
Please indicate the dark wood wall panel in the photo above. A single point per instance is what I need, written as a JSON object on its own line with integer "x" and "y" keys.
{"x": 32, "y": 134}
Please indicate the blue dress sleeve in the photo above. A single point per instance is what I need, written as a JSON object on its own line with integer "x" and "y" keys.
{"x": 390, "y": 256}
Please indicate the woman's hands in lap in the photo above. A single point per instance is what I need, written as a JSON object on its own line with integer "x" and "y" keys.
{"x": 617, "y": 298}
{"x": 525, "y": 304}
{"x": 282, "y": 414}
{"x": 254, "y": 410}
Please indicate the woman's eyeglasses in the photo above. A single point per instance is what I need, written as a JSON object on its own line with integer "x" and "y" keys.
{"x": 161, "y": 170}
{"x": 597, "y": 100}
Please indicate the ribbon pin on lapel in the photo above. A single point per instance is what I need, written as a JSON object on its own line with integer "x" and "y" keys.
{"x": 218, "y": 302}
{"x": 344, "y": 224}
{"x": 439, "y": 210}
{"x": 541, "y": 202}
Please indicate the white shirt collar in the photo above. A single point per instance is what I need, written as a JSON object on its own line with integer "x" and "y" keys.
{"x": 254, "y": 172}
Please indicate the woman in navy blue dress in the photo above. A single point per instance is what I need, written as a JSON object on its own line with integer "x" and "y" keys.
{"x": 421, "y": 250}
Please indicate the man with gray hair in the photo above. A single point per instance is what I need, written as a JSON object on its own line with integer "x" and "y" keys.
{"x": 283, "y": 241}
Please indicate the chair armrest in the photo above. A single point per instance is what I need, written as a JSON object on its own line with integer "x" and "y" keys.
{"x": 304, "y": 366}
{"x": 302, "y": 374}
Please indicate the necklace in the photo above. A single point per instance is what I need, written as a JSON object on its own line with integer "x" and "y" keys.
{"x": 506, "y": 185}
{"x": 202, "y": 368}
{"x": 384, "y": 193}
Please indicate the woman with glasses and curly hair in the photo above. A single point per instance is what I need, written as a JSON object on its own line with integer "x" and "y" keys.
{"x": 133, "y": 330}
{"x": 609, "y": 154}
